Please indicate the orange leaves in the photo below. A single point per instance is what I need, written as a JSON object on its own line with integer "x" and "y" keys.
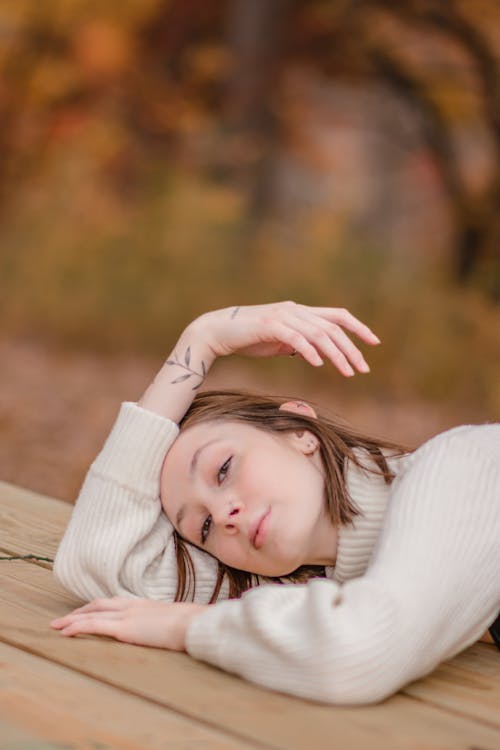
{"x": 103, "y": 50}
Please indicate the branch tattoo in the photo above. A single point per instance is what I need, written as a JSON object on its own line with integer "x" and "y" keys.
{"x": 187, "y": 361}
{"x": 186, "y": 366}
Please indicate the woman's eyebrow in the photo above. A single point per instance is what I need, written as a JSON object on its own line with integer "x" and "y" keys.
{"x": 197, "y": 453}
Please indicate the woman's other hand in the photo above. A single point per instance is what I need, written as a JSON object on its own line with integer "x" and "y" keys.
{"x": 285, "y": 328}
{"x": 144, "y": 622}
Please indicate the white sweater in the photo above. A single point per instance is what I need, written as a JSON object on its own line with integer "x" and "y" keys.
{"x": 417, "y": 577}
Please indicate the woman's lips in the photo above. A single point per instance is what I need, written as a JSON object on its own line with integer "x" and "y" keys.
{"x": 259, "y": 532}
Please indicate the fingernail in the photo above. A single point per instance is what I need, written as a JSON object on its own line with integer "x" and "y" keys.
{"x": 376, "y": 338}
{"x": 364, "y": 367}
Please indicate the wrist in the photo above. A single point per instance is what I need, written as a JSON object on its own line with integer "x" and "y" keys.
{"x": 196, "y": 336}
{"x": 174, "y": 387}
{"x": 192, "y": 612}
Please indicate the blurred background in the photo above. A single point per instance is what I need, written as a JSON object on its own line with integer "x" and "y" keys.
{"x": 162, "y": 158}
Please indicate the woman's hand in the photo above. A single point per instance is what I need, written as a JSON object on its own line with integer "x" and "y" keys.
{"x": 144, "y": 622}
{"x": 282, "y": 328}
{"x": 286, "y": 328}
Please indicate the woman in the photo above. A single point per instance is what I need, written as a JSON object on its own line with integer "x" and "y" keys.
{"x": 388, "y": 558}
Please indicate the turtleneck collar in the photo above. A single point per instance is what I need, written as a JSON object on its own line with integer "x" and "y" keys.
{"x": 356, "y": 541}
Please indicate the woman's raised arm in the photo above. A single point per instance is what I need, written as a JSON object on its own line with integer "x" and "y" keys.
{"x": 259, "y": 331}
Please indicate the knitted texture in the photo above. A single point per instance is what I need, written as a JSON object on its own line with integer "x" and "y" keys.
{"x": 118, "y": 540}
{"x": 431, "y": 589}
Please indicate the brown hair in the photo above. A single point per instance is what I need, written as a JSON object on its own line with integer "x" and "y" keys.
{"x": 336, "y": 443}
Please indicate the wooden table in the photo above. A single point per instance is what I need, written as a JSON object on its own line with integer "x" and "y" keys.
{"x": 95, "y": 693}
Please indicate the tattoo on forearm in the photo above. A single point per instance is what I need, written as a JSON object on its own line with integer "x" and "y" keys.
{"x": 235, "y": 312}
{"x": 185, "y": 366}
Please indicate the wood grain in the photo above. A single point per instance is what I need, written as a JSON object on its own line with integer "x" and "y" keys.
{"x": 50, "y": 703}
{"x": 31, "y": 523}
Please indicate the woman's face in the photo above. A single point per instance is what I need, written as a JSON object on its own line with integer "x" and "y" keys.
{"x": 251, "y": 498}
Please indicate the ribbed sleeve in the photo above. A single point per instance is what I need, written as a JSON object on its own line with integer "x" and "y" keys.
{"x": 431, "y": 589}
{"x": 118, "y": 540}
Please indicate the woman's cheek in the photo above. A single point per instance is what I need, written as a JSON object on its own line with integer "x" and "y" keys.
{"x": 227, "y": 553}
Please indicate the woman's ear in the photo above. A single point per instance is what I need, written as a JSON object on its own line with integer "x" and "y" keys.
{"x": 299, "y": 407}
{"x": 304, "y": 440}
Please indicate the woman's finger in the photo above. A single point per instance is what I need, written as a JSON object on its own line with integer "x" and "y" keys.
{"x": 339, "y": 338}
{"x": 295, "y": 340}
{"x": 344, "y": 318}
{"x": 95, "y": 626}
{"x": 75, "y": 617}
{"x": 113, "y": 604}
{"x": 351, "y": 351}
{"x": 321, "y": 340}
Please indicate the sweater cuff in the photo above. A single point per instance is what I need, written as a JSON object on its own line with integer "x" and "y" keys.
{"x": 136, "y": 447}
{"x": 204, "y": 639}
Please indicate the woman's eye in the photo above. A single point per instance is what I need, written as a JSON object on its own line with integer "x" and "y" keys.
{"x": 221, "y": 474}
{"x": 205, "y": 529}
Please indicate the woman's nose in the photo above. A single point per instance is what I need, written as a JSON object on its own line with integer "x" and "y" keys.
{"x": 230, "y": 516}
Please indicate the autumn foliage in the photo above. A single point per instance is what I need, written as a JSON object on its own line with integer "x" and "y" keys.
{"x": 162, "y": 158}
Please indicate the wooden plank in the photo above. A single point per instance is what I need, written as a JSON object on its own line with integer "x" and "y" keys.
{"x": 468, "y": 684}
{"x": 30, "y": 523}
{"x": 18, "y": 738}
{"x": 226, "y": 702}
{"x": 56, "y": 704}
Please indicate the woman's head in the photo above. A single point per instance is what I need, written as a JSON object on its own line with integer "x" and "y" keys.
{"x": 258, "y": 482}
{"x": 250, "y": 496}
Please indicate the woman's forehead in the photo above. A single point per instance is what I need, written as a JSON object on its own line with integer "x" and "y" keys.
{"x": 193, "y": 437}
{"x": 232, "y": 432}
{"x": 215, "y": 427}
